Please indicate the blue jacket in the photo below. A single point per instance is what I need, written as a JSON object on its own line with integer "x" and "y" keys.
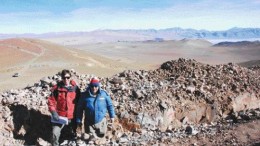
{"x": 95, "y": 107}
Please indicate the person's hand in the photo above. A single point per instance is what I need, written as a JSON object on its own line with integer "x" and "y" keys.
{"x": 112, "y": 120}
{"x": 79, "y": 129}
{"x": 55, "y": 115}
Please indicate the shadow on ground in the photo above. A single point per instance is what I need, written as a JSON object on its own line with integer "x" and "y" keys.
{"x": 29, "y": 125}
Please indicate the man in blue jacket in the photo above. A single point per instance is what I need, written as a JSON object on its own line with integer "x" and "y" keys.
{"x": 95, "y": 102}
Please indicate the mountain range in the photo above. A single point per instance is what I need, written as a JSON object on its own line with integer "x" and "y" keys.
{"x": 152, "y": 34}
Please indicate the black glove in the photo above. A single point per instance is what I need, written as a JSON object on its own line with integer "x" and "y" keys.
{"x": 55, "y": 115}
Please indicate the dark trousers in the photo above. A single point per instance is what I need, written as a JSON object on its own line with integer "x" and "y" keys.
{"x": 98, "y": 130}
{"x": 57, "y": 129}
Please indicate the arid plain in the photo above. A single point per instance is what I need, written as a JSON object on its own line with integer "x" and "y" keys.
{"x": 34, "y": 59}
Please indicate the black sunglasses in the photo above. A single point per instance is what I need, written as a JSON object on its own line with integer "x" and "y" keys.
{"x": 65, "y": 78}
{"x": 92, "y": 86}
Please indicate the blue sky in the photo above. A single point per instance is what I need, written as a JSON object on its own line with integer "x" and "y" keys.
{"x": 42, "y": 16}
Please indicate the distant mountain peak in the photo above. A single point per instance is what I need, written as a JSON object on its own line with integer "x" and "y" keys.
{"x": 149, "y": 34}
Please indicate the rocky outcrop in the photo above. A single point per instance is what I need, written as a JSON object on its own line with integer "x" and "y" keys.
{"x": 188, "y": 91}
{"x": 181, "y": 98}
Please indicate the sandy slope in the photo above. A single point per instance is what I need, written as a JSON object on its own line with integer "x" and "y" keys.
{"x": 156, "y": 53}
{"x": 35, "y": 59}
{"x": 250, "y": 63}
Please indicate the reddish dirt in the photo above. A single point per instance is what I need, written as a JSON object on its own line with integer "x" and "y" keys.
{"x": 10, "y": 56}
{"x": 22, "y": 44}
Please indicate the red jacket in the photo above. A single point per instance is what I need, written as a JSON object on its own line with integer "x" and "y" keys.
{"x": 63, "y": 99}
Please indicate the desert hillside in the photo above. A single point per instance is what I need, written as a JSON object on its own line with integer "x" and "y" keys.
{"x": 245, "y": 49}
{"x": 34, "y": 59}
{"x": 250, "y": 64}
{"x": 153, "y": 52}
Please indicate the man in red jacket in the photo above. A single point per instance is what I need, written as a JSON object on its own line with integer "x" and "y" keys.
{"x": 61, "y": 103}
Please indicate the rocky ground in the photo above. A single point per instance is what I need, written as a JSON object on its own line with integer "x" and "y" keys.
{"x": 183, "y": 102}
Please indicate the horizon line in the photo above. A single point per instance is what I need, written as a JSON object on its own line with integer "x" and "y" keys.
{"x": 31, "y": 33}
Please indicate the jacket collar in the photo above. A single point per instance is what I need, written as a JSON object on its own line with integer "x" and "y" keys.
{"x": 61, "y": 86}
{"x": 61, "y": 83}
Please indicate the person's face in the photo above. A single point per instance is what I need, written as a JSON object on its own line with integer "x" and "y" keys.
{"x": 94, "y": 89}
{"x": 66, "y": 79}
